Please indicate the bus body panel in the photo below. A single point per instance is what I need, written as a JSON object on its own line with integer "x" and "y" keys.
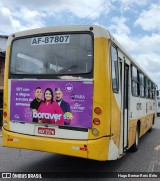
{"x": 146, "y": 118}
{"x": 92, "y": 149}
{"x": 146, "y": 123}
{"x": 115, "y": 121}
{"x": 101, "y": 87}
{"x": 6, "y": 103}
{"x": 61, "y": 146}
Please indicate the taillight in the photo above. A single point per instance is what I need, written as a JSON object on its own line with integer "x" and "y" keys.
{"x": 13, "y": 139}
{"x": 95, "y": 131}
{"x": 98, "y": 110}
{"x": 96, "y": 121}
{"x": 4, "y": 114}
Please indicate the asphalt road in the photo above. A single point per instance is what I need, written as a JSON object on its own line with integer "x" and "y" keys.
{"x": 146, "y": 159}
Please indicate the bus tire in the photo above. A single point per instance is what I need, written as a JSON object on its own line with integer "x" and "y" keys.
{"x": 135, "y": 146}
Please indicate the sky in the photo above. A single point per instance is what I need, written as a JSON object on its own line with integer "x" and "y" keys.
{"x": 134, "y": 23}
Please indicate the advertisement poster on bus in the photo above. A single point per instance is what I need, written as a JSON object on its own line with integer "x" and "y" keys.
{"x": 53, "y": 102}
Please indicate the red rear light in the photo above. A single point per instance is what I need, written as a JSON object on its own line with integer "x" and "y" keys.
{"x": 96, "y": 121}
{"x": 83, "y": 148}
{"x": 98, "y": 110}
{"x": 10, "y": 139}
{"x": 5, "y": 114}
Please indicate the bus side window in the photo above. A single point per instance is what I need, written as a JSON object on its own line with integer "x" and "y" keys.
{"x": 142, "y": 84}
{"x": 146, "y": 86}
{"x": 135, "y": 81}
{"x": 149, "y": 89}
{"x": 114, "y": 59}
{"x": 153, "y": 91}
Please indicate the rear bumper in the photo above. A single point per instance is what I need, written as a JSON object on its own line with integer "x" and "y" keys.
{"x": 91, "y": 149}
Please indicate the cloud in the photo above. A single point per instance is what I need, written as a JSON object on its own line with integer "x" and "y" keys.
{"x": 34, "y": 14}
{"x": 122, "y": 32}
{"x": 142, "y": 48}
{"x": 149, "y": 19}
{"x": 147, "y": 44}
{"x": 8, "y": 23}
{"x": 151, "y": 64}
{"x": 137, "y": 2}
{"x": 119, "y": 26}
{"x": 31, "y": 18}
{"x": 129, "y": 5}
{"x": 80, "y": 8}
{"x": 19, "y": 15}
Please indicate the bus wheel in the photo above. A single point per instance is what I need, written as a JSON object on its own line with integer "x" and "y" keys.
{"x": 136, "y": 144}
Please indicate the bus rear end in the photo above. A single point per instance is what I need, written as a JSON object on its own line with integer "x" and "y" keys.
{"x": 49, "y": 97}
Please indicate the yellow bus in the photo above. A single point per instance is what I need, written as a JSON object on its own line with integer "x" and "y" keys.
{"x": 73, "y": 90}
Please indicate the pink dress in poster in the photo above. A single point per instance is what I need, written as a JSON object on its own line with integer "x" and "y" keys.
{"x": 50, "y": 113}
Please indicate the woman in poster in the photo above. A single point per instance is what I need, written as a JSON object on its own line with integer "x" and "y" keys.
{"x": 49, "y": 111}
